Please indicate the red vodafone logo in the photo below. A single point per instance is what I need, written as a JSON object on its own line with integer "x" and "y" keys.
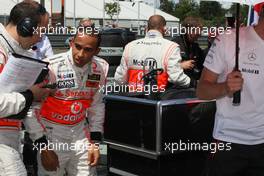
{"x": 1, "y": 67}
{"x": 76, "y": 107}
{"x": 140, "y": 76}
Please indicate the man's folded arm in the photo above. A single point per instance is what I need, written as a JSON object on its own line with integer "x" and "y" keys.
{"x": 14, "y": 103}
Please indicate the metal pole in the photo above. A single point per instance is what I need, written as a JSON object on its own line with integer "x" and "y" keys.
{"x": 103, "y": 13}
{"x": 249, "y": 14}
{"x": 74, "y": 13}
{"x": 117, "y": 20}
{"x": 64, "y": 16}
{"x": 5, "y": 19}
{"x": 51, "y": 12}
{"x": 155, "y": 5}
{"x": 42, "y": 2}
{"x": 237, "y": 94}
{"x": 138, "y": 17}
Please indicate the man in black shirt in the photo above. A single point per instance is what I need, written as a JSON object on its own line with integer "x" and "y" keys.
{"x": 191, "y": 53}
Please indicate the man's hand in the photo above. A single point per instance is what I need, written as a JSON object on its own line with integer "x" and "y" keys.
{"x": 234, "y": 82}
{"x": 49, "y": 160}
{"x": 93, "y": 155}
{"x": 188, "y": 64}
{"x": 40, "y": 93}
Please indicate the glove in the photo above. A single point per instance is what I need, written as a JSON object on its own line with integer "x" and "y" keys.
{"x": 49, "y": 160}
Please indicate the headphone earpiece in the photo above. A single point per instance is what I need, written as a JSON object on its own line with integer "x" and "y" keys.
{"x": 25, "y": 27}
{"x": 41, "y": 10}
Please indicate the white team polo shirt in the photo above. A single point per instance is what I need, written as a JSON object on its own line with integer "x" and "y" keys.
{"x": 242, "y": 124}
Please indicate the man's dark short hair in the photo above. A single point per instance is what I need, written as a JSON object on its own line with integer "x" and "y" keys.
{"x": 92, "y": 32}
{"x": 156, "y": 22}
{"x": 41, "y": 9}
{"x": 192, "y": 21}
{"x": 24, "y": 10}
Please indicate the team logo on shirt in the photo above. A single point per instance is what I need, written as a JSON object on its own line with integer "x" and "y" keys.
{"x": 151, "y": 62}
{"x": 94, "y": 77}
{"x": 76, "y": 107}
{"x": 93, "y": 84}
{"x": 140, "y": 76}
{"x": 148, "y": 43}
{"x": 66, "y": 84}
{"x": 65, "y": 75}
{"x": 252, "y": 56}
{"x": 95, "y": 68}
{"x": 248, "y": 70}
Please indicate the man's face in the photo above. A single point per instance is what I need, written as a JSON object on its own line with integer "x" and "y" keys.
{"x": 84, "y": 47}
{"x": 45, "y": 20}
{"x": 194, "y": 35}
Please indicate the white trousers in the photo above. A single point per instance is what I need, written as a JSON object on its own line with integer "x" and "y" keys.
{"x": 72, "y": 147}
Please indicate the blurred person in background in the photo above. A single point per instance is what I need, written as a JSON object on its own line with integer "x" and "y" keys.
{"x": 191, "y": 53}
{"x": 148, "y": 52}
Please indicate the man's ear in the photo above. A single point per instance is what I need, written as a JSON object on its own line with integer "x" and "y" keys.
{"x": 97, "y": 50}
{"x": 162, "y": 30}
{"x": 71, "y": 41}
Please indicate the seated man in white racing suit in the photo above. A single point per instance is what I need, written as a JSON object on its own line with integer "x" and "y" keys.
{"x": 144, "y": 53}
{"x": 17, "y": 37}
{"x": 79, "y": 75}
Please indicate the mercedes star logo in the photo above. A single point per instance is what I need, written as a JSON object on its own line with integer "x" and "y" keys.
{"x": 252, "y": 56}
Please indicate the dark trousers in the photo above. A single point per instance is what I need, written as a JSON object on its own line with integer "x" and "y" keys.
{"x": 241, "y": 160}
